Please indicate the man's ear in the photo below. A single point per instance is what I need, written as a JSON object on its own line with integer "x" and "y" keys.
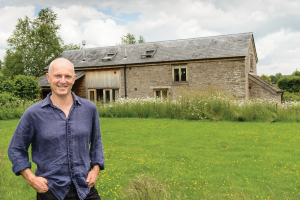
{"x": 48, "y": 77}
{"x": 74, "y": 78}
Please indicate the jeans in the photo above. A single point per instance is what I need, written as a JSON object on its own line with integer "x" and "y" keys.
{"x": 72, "y": 195}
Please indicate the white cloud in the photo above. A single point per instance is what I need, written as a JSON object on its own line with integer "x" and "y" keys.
{"x": 86, "y": 23}
{"x": 275, "y": 23}
{"x": 9, "y": 17}
{"x": 259, "y": 16}
{"x": 281, "y": 50}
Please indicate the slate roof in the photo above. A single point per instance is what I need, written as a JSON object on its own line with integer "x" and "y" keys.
{"x": 265, "y": 84}
{"x": 43, "y": 82}
{"x": 224, "y": 46}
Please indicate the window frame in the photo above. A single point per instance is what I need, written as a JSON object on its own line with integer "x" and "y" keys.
{"x": 147, "y": 54}
{"x": 103, "y": 94}
{"x": 161, "y": 95}
{"x": 108, "y": 57}
{"x": 95, "y": 95}
{"x": 186, "y": 73}
{"x": 250, "y": 64}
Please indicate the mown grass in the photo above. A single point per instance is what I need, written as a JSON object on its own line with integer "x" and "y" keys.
{"x": 195, "y": 159}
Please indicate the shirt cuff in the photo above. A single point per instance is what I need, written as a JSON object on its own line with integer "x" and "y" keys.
{"x": 20, "y": 167}
{"x": 96, "y": 163}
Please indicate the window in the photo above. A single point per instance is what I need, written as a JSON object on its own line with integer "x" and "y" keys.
{"x": 148, "y": 54}
{"x": 250, "y": 64}
{"x": 161, "y": 93}
{"x": 179, "y": 73}
{"x": 109, "y": 57}
{"x": 104, "y": 95}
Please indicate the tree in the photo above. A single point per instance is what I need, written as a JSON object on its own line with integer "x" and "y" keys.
{"x": 33, "y": 45}
{"x": 266, "y": 77}
{"x": 71, "y": 46}
{"x": 278, "y": 76}
{"x": 273, "y": 78}
{"x": 0, "y": 65}
{"x": 130, "y": 39}
{"x": 296, "y": 73}
{"x": 289, "y": 83}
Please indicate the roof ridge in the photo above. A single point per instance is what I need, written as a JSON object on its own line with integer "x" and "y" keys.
{"x": 267, "y": 83}
{"x": 164, "y": 41}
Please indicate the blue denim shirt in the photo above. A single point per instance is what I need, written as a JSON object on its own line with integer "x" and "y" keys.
{"x": 59, "y": 145}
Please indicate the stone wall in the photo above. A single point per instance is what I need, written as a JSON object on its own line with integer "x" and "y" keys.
{"x": 79, "y": 88}
{"x": 226, "y": 75}
{"x": 256, "y": 91}
{"x": 250, "y": 55}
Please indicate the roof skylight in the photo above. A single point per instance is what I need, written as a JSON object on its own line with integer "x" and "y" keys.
{"x": 109, "y": 57}
{"x": 148, "y": 54}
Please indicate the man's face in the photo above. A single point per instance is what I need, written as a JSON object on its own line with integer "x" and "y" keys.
{"x": 61, "y": 78}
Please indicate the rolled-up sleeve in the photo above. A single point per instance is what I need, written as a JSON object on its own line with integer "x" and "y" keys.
{"x": 96, "y": 149}
{"x": 19, "y": 144}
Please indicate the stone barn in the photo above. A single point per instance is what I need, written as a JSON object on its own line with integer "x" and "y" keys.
{"x": 166, "y": 69}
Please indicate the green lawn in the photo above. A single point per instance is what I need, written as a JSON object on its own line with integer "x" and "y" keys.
{"x": 196, "y": 159}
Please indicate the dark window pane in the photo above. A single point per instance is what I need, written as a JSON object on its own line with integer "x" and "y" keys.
{"x": 115, "y": 94}
{"x": 99, "y": 95}
{"x": 183, "y": 73}
{"x": 165, "y": 94}
{"x": 107, "y": 95}
{"x": 157, "y": 94}
{"x": 176, "y": 73}
{"x": 92, "y": 96}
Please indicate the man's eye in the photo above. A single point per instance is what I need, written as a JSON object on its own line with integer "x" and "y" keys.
{"x": 68, "y": 77}
{"x": 57, "y": 76}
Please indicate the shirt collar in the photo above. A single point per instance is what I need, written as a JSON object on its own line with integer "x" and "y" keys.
{"x": 47, "y": 100}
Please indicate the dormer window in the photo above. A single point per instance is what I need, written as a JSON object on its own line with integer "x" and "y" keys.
{"x": 148, "y": 54}
{"x": 109, "y": 57}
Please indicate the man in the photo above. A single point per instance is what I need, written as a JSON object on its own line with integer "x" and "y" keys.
{"x": 64, "y": 133}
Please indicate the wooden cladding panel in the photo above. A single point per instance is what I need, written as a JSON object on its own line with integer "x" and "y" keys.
{"x": 79, "y": 87}
{"x": 103, "y": 78}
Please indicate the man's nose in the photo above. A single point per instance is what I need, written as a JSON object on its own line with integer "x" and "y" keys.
{"x": 63, "y": 79}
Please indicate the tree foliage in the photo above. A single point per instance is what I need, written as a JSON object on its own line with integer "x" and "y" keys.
{"x": 33, "y": 45}
{"x": 130, "y": 39}
{"x": 266, "y": 77}
{"x": 276, "y": 77}
{"x": 273, "y": 78}
{"x": 22, "y": 86}
{"x": 296, "y": 73}
{"x": 289, "y": 83}
{"x": 71, "y": 46}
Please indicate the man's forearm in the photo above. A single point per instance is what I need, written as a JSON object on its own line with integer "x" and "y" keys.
{"x": 38, "y": 183}
{"x": 28, "y": 176}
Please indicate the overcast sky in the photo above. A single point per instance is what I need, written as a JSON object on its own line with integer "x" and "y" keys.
{"x": 274, "y": 23}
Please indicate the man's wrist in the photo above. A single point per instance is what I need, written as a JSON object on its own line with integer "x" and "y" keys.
{"x": 96, "y": 168}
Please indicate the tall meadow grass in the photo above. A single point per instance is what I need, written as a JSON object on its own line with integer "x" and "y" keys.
{"x": 211, "y": 105}
{"x": 14, "y": 109}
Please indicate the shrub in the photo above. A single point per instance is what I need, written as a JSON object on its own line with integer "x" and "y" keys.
{"x": 6, "y": 98}
{"x": 296, "y": 73}
{"x": 26, "y": 87}
{"x": 289, "y": 83}
{"x": 5, "y": 85}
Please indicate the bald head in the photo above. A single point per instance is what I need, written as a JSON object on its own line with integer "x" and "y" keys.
{"x": 59, "y": 62}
